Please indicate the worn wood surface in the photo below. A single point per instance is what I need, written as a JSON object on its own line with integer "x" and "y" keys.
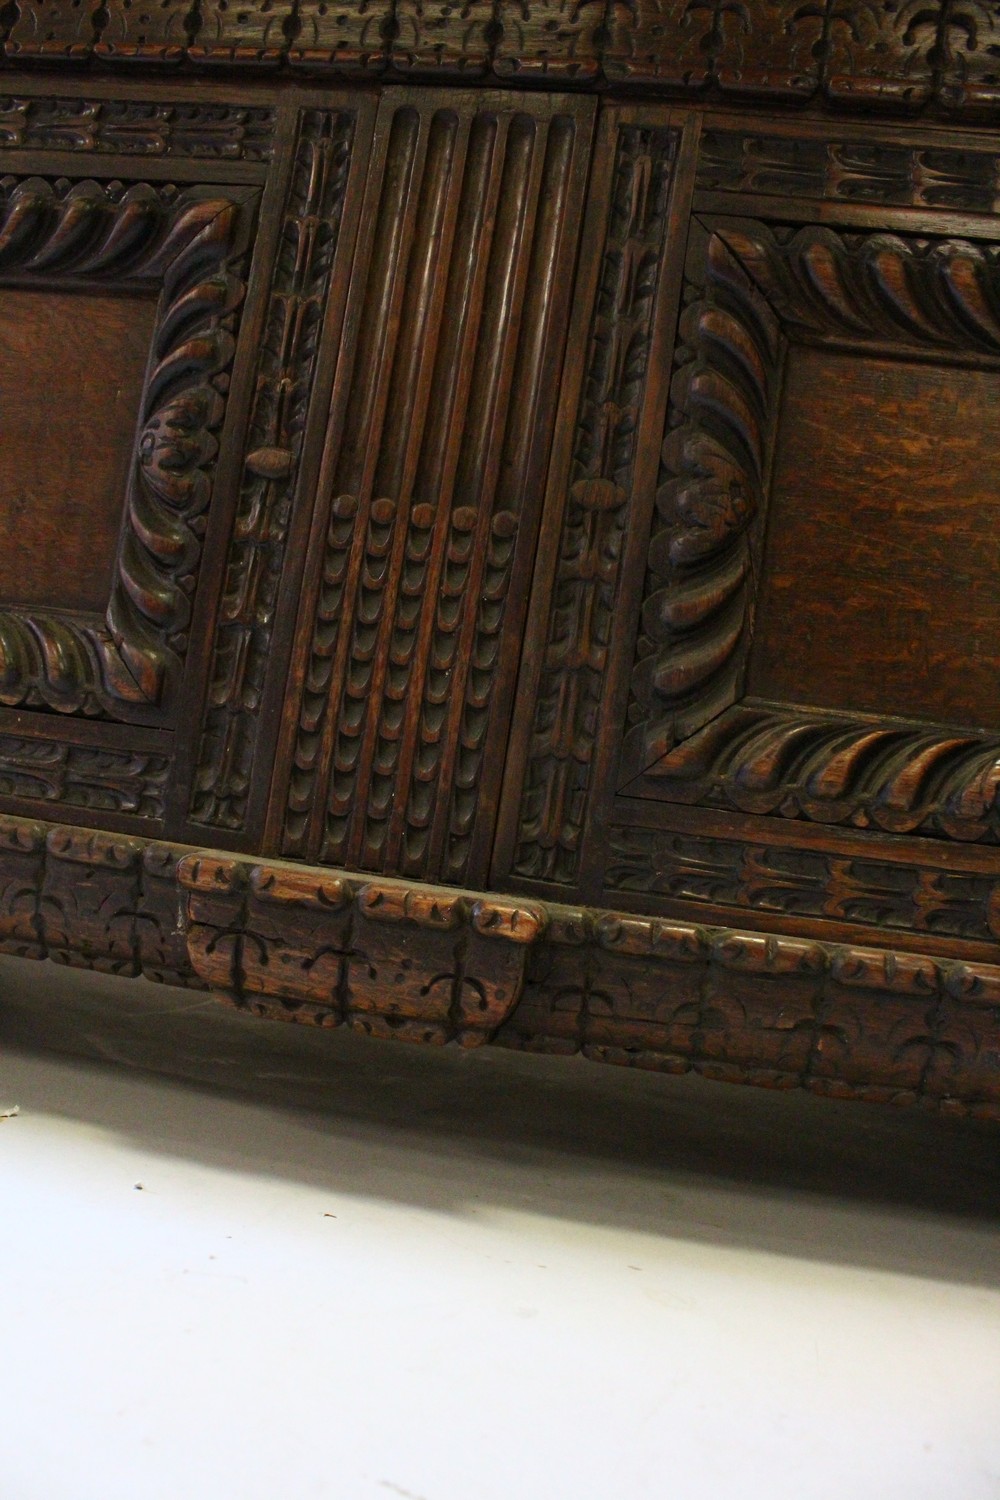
{"x": 416, "y": 963}
{"x": 892, "y": 58}
{"x": 499, "y": 563}
{"x": 882, "y": 503}
{"x": 59, "y": 518}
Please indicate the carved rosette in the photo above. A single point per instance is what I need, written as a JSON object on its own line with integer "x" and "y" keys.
{"x": 752, "y": 290}
{"x": 188, "y": 246}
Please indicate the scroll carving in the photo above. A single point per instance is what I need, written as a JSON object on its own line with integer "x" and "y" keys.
{"x": 714, "y": 468}
{"x": 190, "y": 246}
{"x": 831, "y": 769}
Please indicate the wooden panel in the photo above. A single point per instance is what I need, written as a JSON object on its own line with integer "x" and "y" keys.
{"x": 189, "y": 250}
{"x": 245, "y": 641}
{"x": 881, "y": 587}
{"x": 600, "y": 485}
{"x": 754, "y": 292}
{"x": 71, "y": 378}
{"x": 431, "y": 486}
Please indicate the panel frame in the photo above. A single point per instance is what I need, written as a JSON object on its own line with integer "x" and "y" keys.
{"x": 424, "y": 104}
{"x": 698, "y": 739}
{"x": 191, "y": 251}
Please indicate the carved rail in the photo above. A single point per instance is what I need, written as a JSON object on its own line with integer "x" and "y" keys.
{"x": 894, "y": 56}
{"x": 425, "y": 964}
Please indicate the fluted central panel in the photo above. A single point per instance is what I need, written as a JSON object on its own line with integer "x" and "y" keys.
{"x": 440, "y": 426}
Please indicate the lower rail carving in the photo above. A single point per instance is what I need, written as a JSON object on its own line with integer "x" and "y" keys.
{"x": 425, "y": 964}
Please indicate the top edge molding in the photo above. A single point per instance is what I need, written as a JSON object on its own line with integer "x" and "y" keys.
{"x": 891, "y": 59}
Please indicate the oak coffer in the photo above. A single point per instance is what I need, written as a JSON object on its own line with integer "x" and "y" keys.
{"x": 500, "y": 515}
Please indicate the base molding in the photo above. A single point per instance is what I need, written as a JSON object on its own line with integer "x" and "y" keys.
{"x": 393, "y": 959}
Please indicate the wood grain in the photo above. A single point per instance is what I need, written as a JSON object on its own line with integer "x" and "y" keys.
{"x": 408, "y": 488}
{"x": 71, "y": 378}
{"x": 882, "y": 515}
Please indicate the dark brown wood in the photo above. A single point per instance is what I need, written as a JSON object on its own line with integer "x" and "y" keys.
{"x": 419, "y": 964}
{"x": 485, "y": 561}
{"x": 59, "y": 518}
{"x": 880, "y": 518}
{"x": 409, "y": 629}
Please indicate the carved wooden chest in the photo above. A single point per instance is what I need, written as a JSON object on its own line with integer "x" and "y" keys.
{"x": 500, "y": 509}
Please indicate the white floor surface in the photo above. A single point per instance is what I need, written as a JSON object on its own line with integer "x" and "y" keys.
{"x": 242, "y": 1260}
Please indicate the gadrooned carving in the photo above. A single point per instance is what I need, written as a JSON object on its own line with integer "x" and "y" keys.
{"x": 751, "y": 291}
{"x": 190, "y": 246}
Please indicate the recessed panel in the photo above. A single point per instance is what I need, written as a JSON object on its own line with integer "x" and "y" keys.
{"x": 881, "y": 569}
{"x": 71, "y": 376}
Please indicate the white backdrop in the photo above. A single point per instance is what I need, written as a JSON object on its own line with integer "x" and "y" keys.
{"x": 310, "y": 1265}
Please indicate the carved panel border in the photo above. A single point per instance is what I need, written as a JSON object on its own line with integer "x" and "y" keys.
{"x": 751, "y": 290}
{"x": 850, "y": 170}
{"x": 190, "y": 247}
{"x": 768, "y": 877}
{"x": 133, "y": 127}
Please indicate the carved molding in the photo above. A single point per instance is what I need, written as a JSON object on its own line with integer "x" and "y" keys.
{"x": 850, "y": 171}
{"x": 598, "y": 508}
{"x": 838, "y": 1020}
{"x": 389, "y": 959}
{"x": 128, "y": 127}
{"x": 411, "y": 962}
{"x": 751, "y": 290}
{"x": 286, "y": 365}
{"x": 828, "y": 768}
{"x": 696, "y": 616}
{"x": 92, "y": 900}
{"x": 876, "y": 291}
{"x": 793, "y": 881}
{"x": 897, "y": 56}
{"x": 91, "y": 776}
{"x": 434, "y": 478}
{"x": 188, "y": 246}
